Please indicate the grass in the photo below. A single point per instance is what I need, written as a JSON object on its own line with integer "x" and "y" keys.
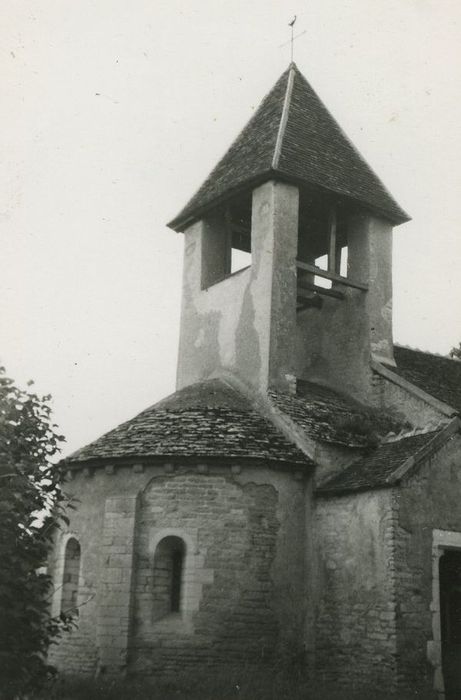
{"x": 239, "y": 686}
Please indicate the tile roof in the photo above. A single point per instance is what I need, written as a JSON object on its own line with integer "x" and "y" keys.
{"x": 434, "y": 374}
{"x": 375, "y": 469}
{"x": 327, "y": 415}
{"x": 208, "y": 419}
{"x": 300, "y": 143}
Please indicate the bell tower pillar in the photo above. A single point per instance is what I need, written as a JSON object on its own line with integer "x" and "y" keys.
{"x": 242, "y": 322}
{"x": 275, "y": 237}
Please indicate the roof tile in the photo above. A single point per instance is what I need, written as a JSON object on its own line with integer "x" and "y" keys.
{"x": 374, "y": 469}
{"x": 314, "y": 151}
{"x": 329, "y": 416}
{"x": 436, "y": 375}
{"x": 207, "y": 419}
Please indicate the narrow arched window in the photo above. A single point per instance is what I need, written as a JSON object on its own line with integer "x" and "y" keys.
{"x": 70, "y": 576}
{"x": 168, "y": 576}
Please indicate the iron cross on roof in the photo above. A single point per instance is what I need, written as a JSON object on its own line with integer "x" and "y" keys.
{"x": 293, "y": 38}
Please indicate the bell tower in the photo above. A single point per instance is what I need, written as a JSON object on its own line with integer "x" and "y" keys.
{"x": 288, "y": 263}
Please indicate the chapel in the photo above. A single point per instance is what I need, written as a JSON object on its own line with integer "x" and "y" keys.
{"x": 298, "y": 498}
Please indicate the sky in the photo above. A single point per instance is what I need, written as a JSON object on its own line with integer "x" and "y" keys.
{"x": 112, "y": 114}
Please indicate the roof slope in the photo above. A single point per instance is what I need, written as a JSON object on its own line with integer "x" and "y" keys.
{"x": 208, "y": 419}
{"x": 436, "y": 375}
{"x": 376, "y": 469}
{"x": 292, "y": 136}
{"x": 329, "y": 416}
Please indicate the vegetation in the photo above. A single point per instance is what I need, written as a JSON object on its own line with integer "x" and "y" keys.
{"x": 31, "y": 508}
{"x": 455, "y": 353}
{"x": 368, "y": 427}
{"x": 245, "y": 685}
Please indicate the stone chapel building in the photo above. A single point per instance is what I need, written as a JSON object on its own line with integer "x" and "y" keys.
{"x": 298, "y": 496}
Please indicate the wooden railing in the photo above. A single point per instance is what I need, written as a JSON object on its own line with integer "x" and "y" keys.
{"x": 306, "y": 299}
{"x": 326, "y": 274}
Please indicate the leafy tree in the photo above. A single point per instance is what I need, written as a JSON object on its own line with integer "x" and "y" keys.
{"x": 455, "y": 353}
{"x": 31, "y": 508}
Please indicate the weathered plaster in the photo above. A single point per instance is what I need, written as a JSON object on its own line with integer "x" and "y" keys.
{"x": 210, "y": 316}
{"x": 336, "y": 343}
{"x": 356, "y": 618}
{"x": 245, "y": 322}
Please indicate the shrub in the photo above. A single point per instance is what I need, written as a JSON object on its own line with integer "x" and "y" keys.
{"x": 31, "y": 506}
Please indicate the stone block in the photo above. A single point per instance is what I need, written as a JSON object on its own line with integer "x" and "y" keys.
{"x": 111, "y": 575}
{"x": 117, "y": 560}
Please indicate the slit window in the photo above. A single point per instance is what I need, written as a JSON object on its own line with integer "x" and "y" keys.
{"x": 168, "y": 576}
{"x": 70, "y": 579}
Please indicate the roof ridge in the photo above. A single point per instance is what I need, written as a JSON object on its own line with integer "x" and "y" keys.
{"x": 284, "y": 117}
{"x": 405, "y": 434}
{"x": 232, "y": 145}
{"x": 433, "y": 445}
{"x": 425, "y": 352}
{"x": 388, "y": 464}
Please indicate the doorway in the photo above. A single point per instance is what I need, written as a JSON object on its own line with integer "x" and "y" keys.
{"x": 450, "y": 621}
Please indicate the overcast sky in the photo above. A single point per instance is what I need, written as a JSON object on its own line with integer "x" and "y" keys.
{"x": 114, "y": 111}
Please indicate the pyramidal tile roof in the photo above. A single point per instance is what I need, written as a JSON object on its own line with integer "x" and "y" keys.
{"x": 292, "y": 137}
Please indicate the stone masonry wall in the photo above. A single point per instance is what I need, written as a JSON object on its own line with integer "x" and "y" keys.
{"x": 115, "y": 591}
{"x": 77, "y": 651}
{"x": 335, "y": 344}
{"x": 356, "y": 609}
{"x": 429, "y": 500}
{"x": 409, "y": 407}
{"x": 227, "y": 614}
{"x": 243, "y": 578}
